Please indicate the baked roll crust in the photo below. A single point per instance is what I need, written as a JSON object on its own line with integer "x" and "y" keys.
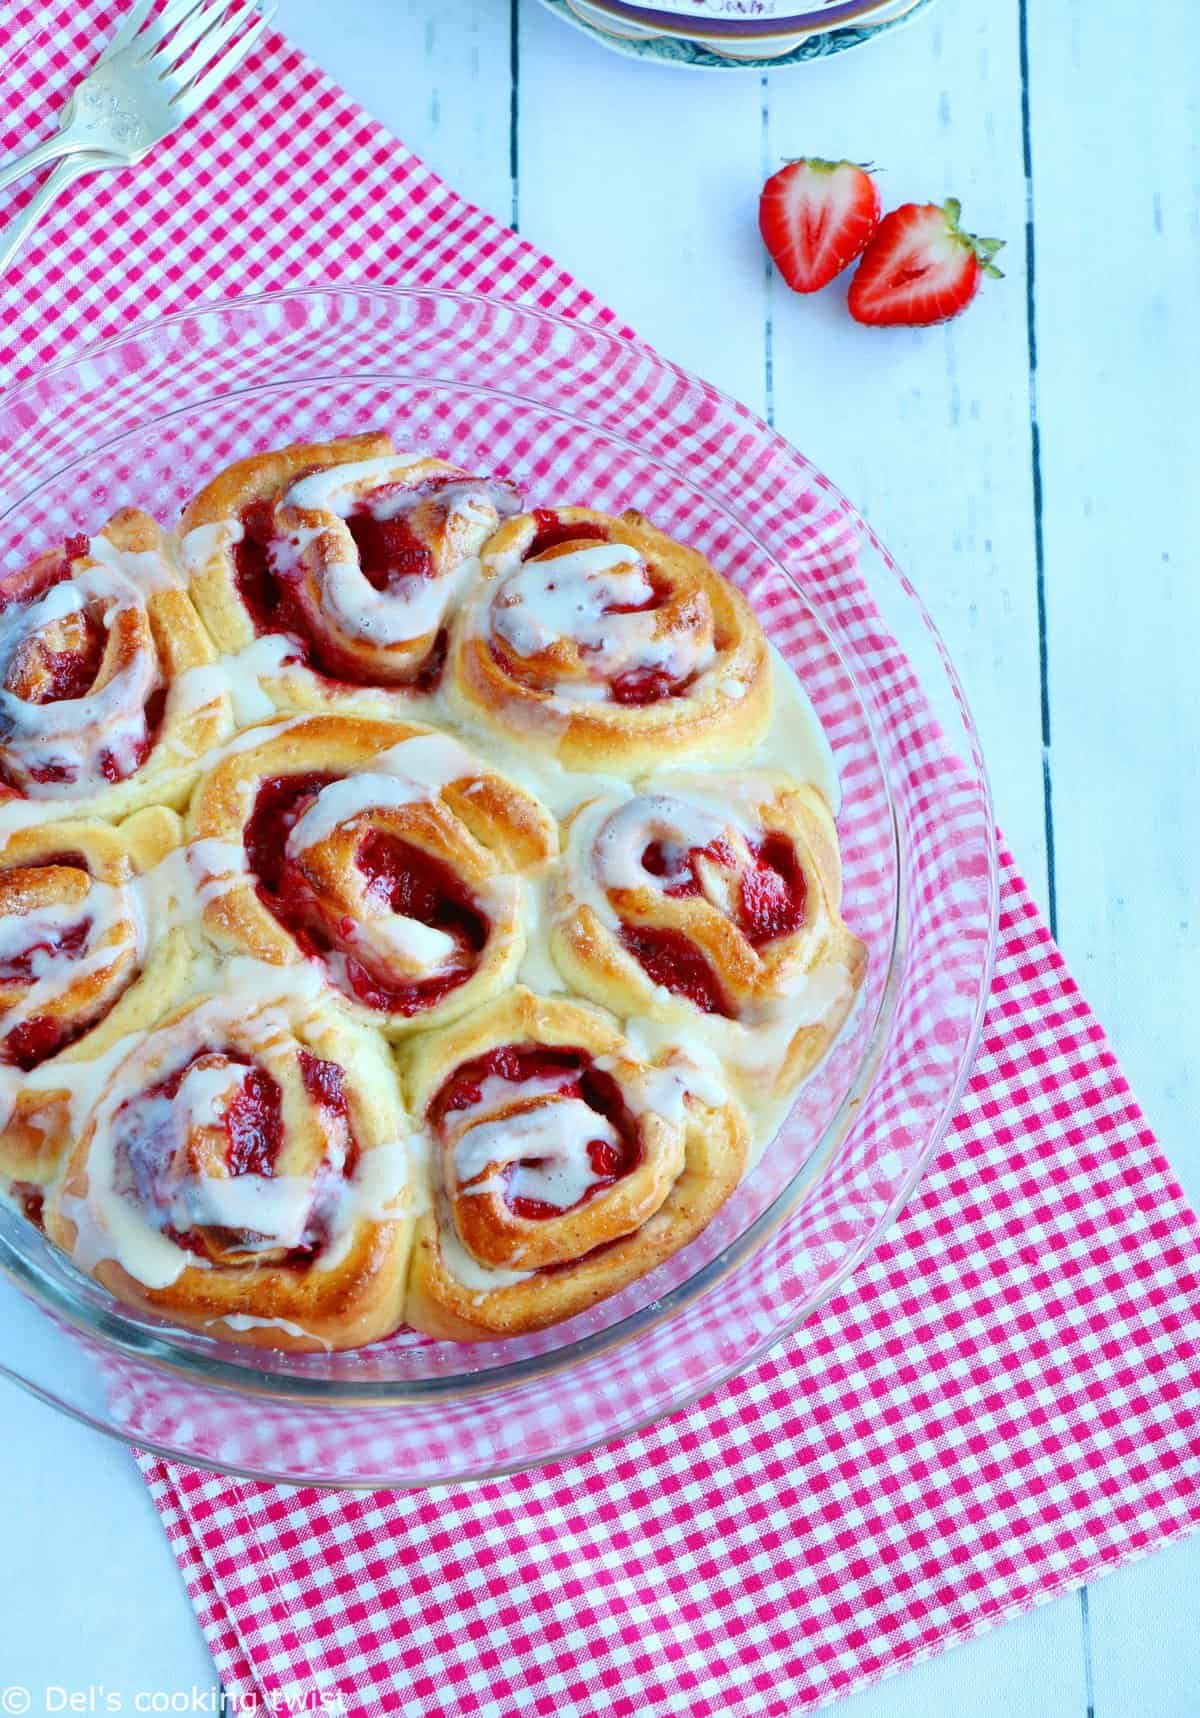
{"x": 284, "y": 920}
{"x": 78, "y": 972}
{"x": 245, "y": 1172}
{"x": 563, "y": 1166}
{"x": 605, "y": 643}
{"x": 713, "y": 901}
{"x": 350, "y": 556}
{"x": 105, "y": 703}
{"x": 384, "y": 851}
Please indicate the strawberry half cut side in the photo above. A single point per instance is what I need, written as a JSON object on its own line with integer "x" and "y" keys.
{"x": 920, "y": 267}
{"x": 815, "y": 217}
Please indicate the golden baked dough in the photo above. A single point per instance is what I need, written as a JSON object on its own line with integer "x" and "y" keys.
{"x": 104, "y": 704}
{"x": 210, "y": 1024}
{"x": 386, "y": 849}
{"x": 245, "y": 1172}
{"x": 76, "y": 974}
{"x": 563, "y": 1166}
{"x": 713, "y": 901}
{"x": 355, "y": 553}
{"x": 607, "y": 644}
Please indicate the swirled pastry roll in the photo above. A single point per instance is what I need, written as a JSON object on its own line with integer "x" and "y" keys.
{"x": 384, "y": 851}
{"x": 105, "y": 704}
{"x": 563, "y": 1166}
{"x": 609, "y": 645}
{"x": 77, "y": 973}
{"x": 713, "y": 901}
{"x": 245, "y": 1172}
{"x": 351, "y": 556}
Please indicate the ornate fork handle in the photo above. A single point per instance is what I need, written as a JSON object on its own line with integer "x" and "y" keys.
{"x": 61, "y": 143}
{"x": 74, "y": 167}
{"x": 98, "y": 118}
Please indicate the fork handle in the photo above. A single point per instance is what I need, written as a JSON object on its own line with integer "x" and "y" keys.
{"x": 49, "y": 149}
{"x": 74, "y": 167}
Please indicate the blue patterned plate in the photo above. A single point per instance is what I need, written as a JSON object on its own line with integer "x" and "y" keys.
{"x": 674, "y": 50}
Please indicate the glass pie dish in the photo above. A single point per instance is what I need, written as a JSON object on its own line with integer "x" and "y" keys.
{"x": 567, "y": 412}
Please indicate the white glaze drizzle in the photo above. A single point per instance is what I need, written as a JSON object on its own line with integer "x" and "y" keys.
{"x": 412, "y": 605}
{"x": 52, "y": 969}
{"x": 795, "y": 744}
{"x": 69, "y": 737}
{"x": 554, "y": 1137}
{"x": 572, "y": 596}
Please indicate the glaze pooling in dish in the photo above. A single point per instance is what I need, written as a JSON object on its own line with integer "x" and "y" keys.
{"x": 503, "y": 919}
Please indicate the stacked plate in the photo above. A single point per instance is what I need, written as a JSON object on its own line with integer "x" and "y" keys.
{"x": 735, "y": 32}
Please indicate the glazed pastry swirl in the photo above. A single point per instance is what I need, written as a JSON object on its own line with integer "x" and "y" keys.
{"x": 255, "y": 916}
{"x": 563, "y": 1165}
{"x": 353, "y": 552}
{"x": 384, "y": 851}
{"x": 602, "y": 640}
{"x": 97, "y": 710}
{"x": 75, "y": 970}
{"x": 713, "y": 900}
{"x": 246, "y": 1171}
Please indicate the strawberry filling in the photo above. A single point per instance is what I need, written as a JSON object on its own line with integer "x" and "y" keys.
{"x": 412, "y": 883}
{"x": 41, "y": 1036}
{"x": 773, "y": 893}
{"x": 771, "y": 899}
{"x": 69, "y": 674}
{"x": 551, "y": 530}
{"x": 253, "y": 1126}
{"x": 517, "y": 1063}
{"x": 72, "y": 673}
{"x": 670, "y": 958}
{"x": 636, "y": 686}
{"x": 389, "y": 550}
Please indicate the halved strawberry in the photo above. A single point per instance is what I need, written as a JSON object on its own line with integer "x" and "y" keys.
{"x": 815, "y": 218}
{"x": 920, "y": 267}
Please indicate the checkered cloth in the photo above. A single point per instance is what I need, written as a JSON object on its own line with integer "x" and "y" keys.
{"x": 1003, "y": 1404}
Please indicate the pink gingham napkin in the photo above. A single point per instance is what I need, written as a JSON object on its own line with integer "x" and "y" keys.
{"x": 1004, "y": 1403}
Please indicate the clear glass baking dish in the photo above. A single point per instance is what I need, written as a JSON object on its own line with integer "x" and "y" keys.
{"x": 573, "y": 413}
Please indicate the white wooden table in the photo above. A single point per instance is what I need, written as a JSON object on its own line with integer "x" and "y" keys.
{"x": 1033, "y": 468}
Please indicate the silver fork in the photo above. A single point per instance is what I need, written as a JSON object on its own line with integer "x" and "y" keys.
{"x": 147, "y": 81}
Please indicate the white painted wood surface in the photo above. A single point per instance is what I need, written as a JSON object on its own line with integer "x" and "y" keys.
{"x": 1078, "y": 636}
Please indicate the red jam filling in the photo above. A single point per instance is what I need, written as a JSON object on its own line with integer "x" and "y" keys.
{"x": 254, "y": 1127}
{"x": 253, "y": 1118}
{"x": 388, "y": 550}
{"x": 551, "y": 530}
{"x": 254, "y": 1123}
{"x": 669, "y": 957}
{"x": 772, "y": 893}
{"x": 637, "y": 686}
{"x": 278, "y": 807}
{"x": 270, "y": 605}
{"x": 411, "y": 882}
{"x": 41, "y": 1036}
{"x": 325, "y": 1083}
{"x": 71, "y": 674}
{"x": 610, "y": 1160}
